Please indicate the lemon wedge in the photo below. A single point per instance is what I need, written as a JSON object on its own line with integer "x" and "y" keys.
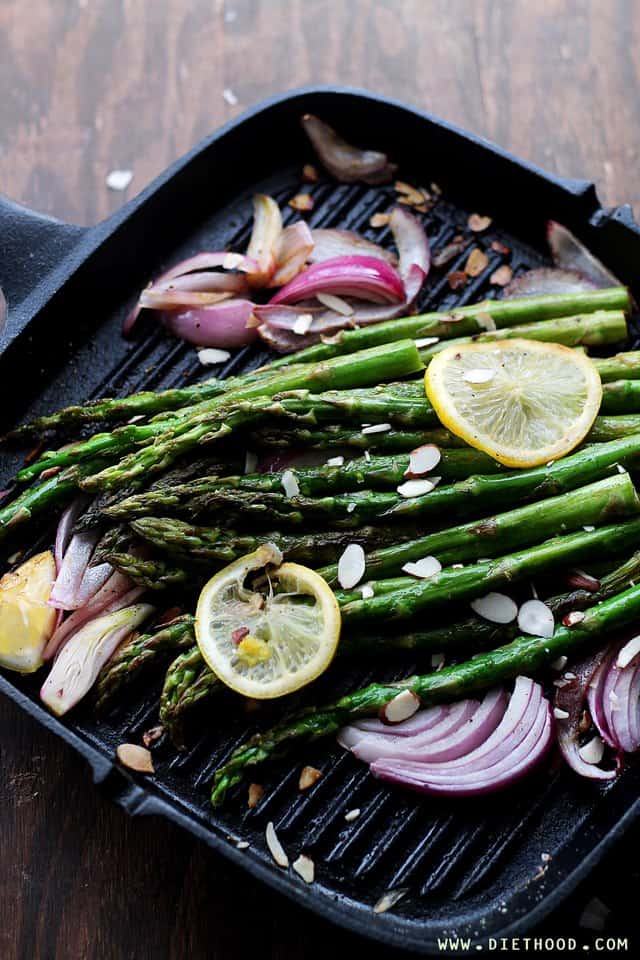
{"x": 520, "y": 401}
{"x": 271, "y": 637}
{"x": 26, "y": 621}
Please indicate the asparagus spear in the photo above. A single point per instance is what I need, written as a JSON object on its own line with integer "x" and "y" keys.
{"x": 158, "y": 574}
{"x": 486, "y": 575}
{"x": 621, "y": 396}
{"x": 162, "y": 442}
{"x": 596, "y": 503}
{"x": 330, "y": 436}
{"x": 137, "y": 653}
{"x": 376, "y": 473}
{"x": 524, "y": 655}
{"x": 463, "y": 321}
{"x": 622, "y": 366}
{"x": 180, "y": 696}
{"x": 213, "y": 543}
{"x": 464, "y": 497}
{"x": 368, "y": 367}
{"x": 591, "y": 329}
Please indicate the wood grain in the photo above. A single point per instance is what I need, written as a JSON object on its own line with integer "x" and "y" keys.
{"x": 92, "y": 85}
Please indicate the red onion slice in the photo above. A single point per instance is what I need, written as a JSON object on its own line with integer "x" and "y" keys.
{"x": 346, "y": 163}
{"x": 413, "y": 249}
{"x": 265, "y": 237}
{"x": 370, "y": 745}
{"x": 365, "y": 277}
{"x": 180, "y": 299}
{"x": 634, "y": 709}
{"x": 595, "y": 702}
{"x": 519, "y": 761}
{"x": 570, "y": 698}
{"x": 207, "y": 260}
{"x": 418, "y": 723}
{"x": 545, "y": 280}
{"x": 295, "y": 248}
{"x": 571, "y": 254}
{"x": 222, "y": 325}
{"x": 206, "y": 282}
{"x": 65, "y": 528}
{"x": 64, "y": 593}
{"x": 329, "y": 243}
{"x": 75, "y": 670}
{"x": 116, "y": 593}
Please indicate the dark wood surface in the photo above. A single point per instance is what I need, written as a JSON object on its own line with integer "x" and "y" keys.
{"x": 92, "y": 85}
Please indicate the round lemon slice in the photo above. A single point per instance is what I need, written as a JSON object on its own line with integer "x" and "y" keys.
{"x": 270, "y": 637}
{"x": 26, "y": 620}
{"x": 521, "y": 401}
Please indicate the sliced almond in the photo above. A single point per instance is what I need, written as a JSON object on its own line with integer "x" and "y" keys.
{"x": 377, "y": 428}
{"x": 337, "y": 304}
{"x": 367, "y": 591}
{"x": 560, "y": 714}
{"x": 400, "y": 708}
{"x": 351, "y": 566}
{"x": 457, "y": 279}
{"x": 335, "y": 461}
{"x": 302, "y": 324}
{"x": 478, "y": 375}
{"x": 352, "y": 815}
{"x": 389, "y": 900}
{"x": 495, "y": 607}
{"x": 628, "y": 653}
{"x": 485, "y": 321}
{"x": 423, "y": 569}
{"x": 233, "y": 261}
{"x": 498, "y": 247}
{"x": 558, "y": 664}
{"x": 308, "y": 776}
{"x": 256, "y": 793}
{"x": 502, "y": 276}
{"x": 305, "y": 868}
{"x": 379, "y": 220}
{"x": 477, "y": 222}
{"x": 290, "y": 485}
{"x": 275, "y": 847}
{"x": 310, "y": 174}
{"x": 426, "y": 342}
{"x": 302, "y": 202}
{"x": 242, "y": 844}
{"x": 593, "y": 751}
{"x": 417, "y": 488}
{"x": 572, "y": 618}
{"x": 536, "y": 619}
{"x": 423, "y": 460}
{"x": 135, "y": 758}
{"x": 210, "y": 356}
{"x": 477, "y": 261}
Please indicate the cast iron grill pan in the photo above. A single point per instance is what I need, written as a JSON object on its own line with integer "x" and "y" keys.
{"x": 466, "y": 868}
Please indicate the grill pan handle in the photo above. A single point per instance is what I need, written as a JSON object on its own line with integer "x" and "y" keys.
{"x": 31, "y": 246}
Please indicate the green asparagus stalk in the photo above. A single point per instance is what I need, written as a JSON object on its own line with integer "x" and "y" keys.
{"x": 622, "y": 366}
{"x": 212, "y": 543}
{"x": 621, "y": 397}
{"x": 376, "y": 473}
{"x": 591, "y": 329}
{"x": 485, "y": 575}
{"x": 458, "y": 499}
{"x": 464, "y": 321}
{"x": 597, "y": 503}
{"x": 137, "y": 653}
{"x": 524, "y": 655}
{"x": 158, "y": 574}
{"x": 330, "y": 436}
{"x": 472, "y": 634}
{"x": 362, "y": 369}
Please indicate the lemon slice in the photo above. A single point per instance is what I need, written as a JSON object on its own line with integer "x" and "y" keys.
{"x": 267, "y": 642}
{"x": 26, "y": 620}
{"x": 521, "y": 401}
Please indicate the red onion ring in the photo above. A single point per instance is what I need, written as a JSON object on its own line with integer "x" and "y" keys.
{"x": 222, "y": 325}
{"x": 420, "y": 722}
{"x": 206, "y": 282}
{"x": 413, "y": 249}
{"x": 595, "y": 702}
{"x": 329, "y": 243}
{"x": 64, "y": 593}
{"x": 571, "y": 698}
{"x": 345, "y": 162}
{"x": 365, "y": 277}
{"x": 371, "y": 746}
{"x": 65, "y": 528}
{"x": 265, "y": 237}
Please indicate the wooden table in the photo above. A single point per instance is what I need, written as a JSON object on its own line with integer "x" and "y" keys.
{"x": 93, "y": 85}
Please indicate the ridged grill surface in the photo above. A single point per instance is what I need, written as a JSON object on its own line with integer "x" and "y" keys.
{"x": 472, "y": 866}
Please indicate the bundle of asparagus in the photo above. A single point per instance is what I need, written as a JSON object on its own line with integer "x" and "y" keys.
{"x": 167, "y": 513}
